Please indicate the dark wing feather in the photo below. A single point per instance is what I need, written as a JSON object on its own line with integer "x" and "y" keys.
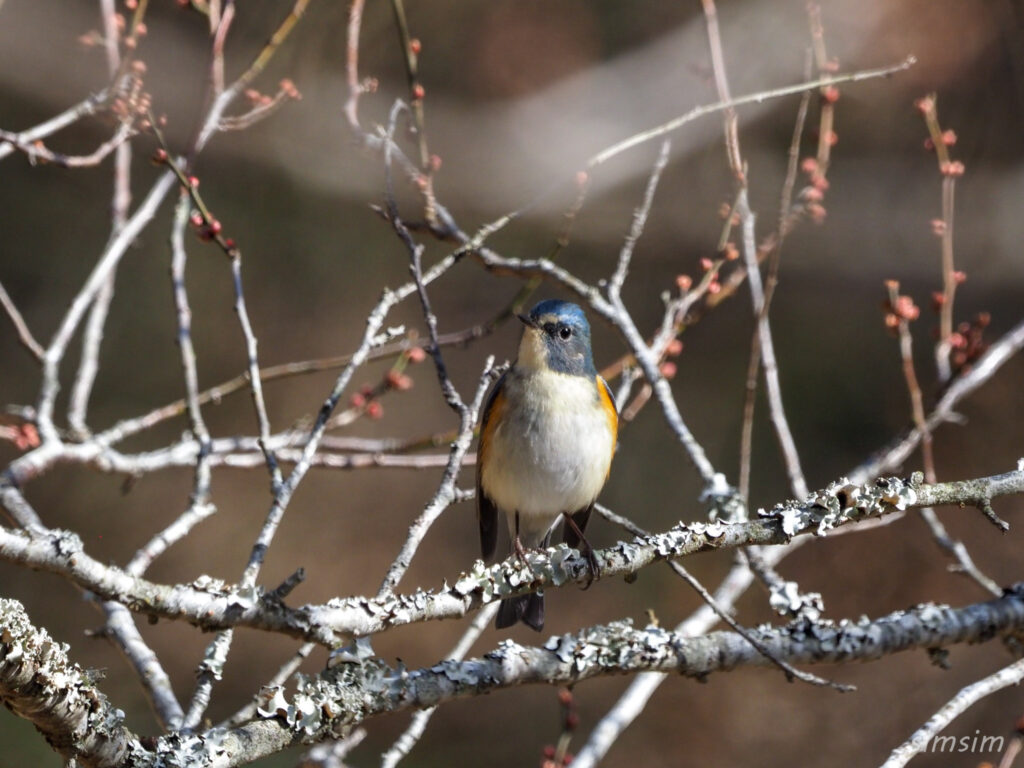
{"x": 486, "y": 512}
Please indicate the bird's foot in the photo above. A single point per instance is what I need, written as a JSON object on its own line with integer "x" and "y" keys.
{"x": 586, "y": 551}
{"x": 518, "y": 549}
{"x": 593, "y": 569}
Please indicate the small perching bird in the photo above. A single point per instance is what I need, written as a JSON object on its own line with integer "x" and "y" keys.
{"x": 547, "y": 438}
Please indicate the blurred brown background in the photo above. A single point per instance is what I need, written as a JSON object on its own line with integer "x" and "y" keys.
{"x": 518, "y": 95}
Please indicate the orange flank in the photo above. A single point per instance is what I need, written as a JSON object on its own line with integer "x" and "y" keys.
{"x": 608, "y": 404}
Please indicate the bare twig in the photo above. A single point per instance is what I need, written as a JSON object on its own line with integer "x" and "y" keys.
{"x": 355, "y": 87}
{"x": 771, "y": 280}
{"x": 787, "y": 445}
{"x": 755, "y": 98}
{"x": 967, "y": 697}
{"x": 963, "y": 385}
{"x": 903, "y": 310}
{"x": 37, "y": 152}
{"x": 119, "y": 206}
{"x": 27, "y": 138}
{"x": 723, "y": 614}
{"x": 639, "y": 221}
{"x": 764, "y": 348}
{"x": 83, "y": 299}
{"x": 28, "y": 341}
{"x": 215, "y": 394}
{"x": 950, "y": 170}
{"x": 411, "y": 735}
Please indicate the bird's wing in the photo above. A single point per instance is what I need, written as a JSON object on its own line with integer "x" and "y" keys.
{"x": 486, "y": 512}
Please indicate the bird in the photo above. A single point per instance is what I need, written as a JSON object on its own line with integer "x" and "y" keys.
{"x": 548, "y": 434}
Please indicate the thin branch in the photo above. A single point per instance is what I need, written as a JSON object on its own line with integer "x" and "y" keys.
{"x": 411, "y": 735}
{"x": 963, "y": 385}
{"x": 723, "y": 614}
{"x": 777, "y": 412}
{"x": 639, "y": 220}
{"x": 215, "y": 394}
{"x": 764, "y": 347}
{"x": 28, "y": 341}
{"x": 85, "y": 108}
{"x": 615, "y": 311}
{"x": 445, "y": 494}
{"x": 950, "y": 170}
{"x": 83, "y": 299}
{"x": 355, "y": 87}
{"x": 771, "y": 281}
{"x": 755, "y": 98}
{"x": 410, "y": 58}
{"x": 120, "y": 204}
{"x": 964, "y": 700}
{"x": 732, "y": 141}
{"x": 259, "y": 63}
{"x": 121, "y": 630}
{"x": 903, "y": 310}
{"x": 37, "y": 152}
{"x": 332, "y": 754}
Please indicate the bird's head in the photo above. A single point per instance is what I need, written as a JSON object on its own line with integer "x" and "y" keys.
{"x": 556, "y": 338}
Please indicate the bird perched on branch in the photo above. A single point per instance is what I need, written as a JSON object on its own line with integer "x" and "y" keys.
{"x": 547, "y": 438}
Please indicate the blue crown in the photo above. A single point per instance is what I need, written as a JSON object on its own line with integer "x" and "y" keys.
{"x": 565, "y": 311}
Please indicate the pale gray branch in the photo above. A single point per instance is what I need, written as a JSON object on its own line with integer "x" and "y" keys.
{"x": 215, "y": 605}
{"x": 334, "y": 702}
{"x": 967, "y": 697}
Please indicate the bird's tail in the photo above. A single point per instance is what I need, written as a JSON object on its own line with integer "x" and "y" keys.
{"x": 528, "y": 609}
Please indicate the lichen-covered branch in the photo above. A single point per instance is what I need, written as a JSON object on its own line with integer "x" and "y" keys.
{"x": 212, "y": 604}
{"x": 41, "y": 684}
{"x": 332, "y": 703}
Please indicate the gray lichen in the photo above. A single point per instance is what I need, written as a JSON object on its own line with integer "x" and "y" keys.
{"x": 39, "y": 683}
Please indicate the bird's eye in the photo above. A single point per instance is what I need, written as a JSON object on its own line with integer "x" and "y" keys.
{"x": 565, "y": 332}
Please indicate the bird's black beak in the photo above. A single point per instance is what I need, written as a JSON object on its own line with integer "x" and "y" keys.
{"x": 527, "y": 321}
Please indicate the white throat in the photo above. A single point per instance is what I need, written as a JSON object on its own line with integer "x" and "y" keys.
{"x": 533, "y": 351}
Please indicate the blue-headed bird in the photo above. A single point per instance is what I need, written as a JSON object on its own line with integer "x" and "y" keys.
{"x": 547, "y": 438}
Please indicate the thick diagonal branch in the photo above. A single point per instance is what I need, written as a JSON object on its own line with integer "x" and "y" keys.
{"x": 39, "y": 683}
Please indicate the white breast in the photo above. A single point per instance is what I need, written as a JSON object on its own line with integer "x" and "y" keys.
{"x": 551, "y": 451}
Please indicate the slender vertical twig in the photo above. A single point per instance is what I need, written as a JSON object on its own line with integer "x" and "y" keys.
{"x": 28, "y": 341}
{"x": 411, "y": 735}
{"x": 120, "y": 203}
{"x": 108, "y": 261}
{"x": 764, "y": 345}
{"x": 940, "y": 141}
{"x": 903, "y": 310}
{"x": 771, "y": 280}
{"x": 355, "y": 87}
